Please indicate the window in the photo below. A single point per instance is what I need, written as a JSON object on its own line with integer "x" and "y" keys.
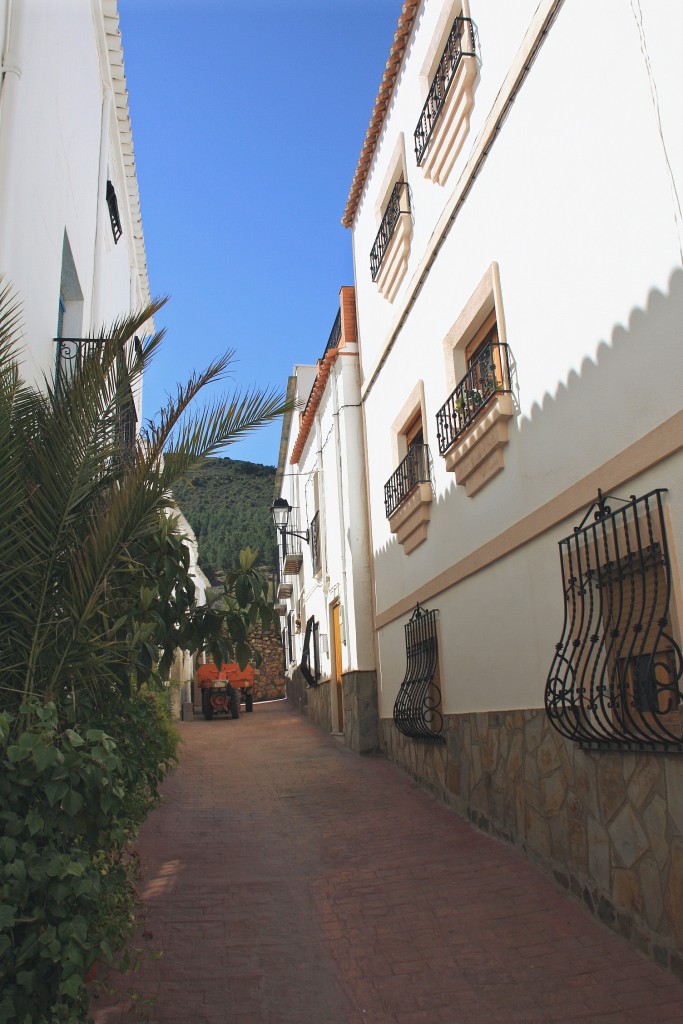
{"x": 451, "y": 74}
{"x": 615, "y": 679}
{"x": 417, "y": 711}
{"x": 391, "y": 248}
{"x": 408, "y": 491}
{"x": 311, "y": 646}
{"x": 114, "y": 218}
{"x": 472, "y": 424}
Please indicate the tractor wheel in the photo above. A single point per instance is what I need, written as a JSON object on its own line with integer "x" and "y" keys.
{"x": 235, "y": 703}
{"x": 249, "y": 701}
{"x": 207, "y": 709}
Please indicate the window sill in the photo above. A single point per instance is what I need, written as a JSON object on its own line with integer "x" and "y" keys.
{"x": 411, "y": 519}
{"x": 395, "y": 262}
{"x": 453, "y": 125}
{"x": 477, "y": 455}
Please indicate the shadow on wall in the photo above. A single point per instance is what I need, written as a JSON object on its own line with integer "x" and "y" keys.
{"x": 629, "y": 389}
{"x": 608, "y": 826}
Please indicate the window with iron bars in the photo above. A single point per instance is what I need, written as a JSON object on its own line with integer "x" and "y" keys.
{"x": 461, "y": 43}
{"x": 615, "y": 679}
{"x": 114, "y": 217}
{"x": 398, "y": 205}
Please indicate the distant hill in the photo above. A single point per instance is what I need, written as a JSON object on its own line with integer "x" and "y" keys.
{"x": 227, "y": 504}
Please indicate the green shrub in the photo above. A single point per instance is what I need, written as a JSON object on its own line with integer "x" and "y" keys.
{"x": 72, "y": 797}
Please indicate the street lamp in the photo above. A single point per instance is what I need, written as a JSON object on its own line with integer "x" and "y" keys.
{"x": 281, "y": 510}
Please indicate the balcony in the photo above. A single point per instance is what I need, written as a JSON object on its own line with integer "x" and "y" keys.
{"x": 472, "y": 425}
{"x": 444, "y": 121}
{"x": 408, "y": 496}
{"x": 316, "y": 548}
{"x": 291, "y": 552}
{"x": 389, "y": 253}
{"x": 72, "y": 354}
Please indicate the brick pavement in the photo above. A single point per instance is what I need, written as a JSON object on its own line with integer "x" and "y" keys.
{"x": 312, "y": 886}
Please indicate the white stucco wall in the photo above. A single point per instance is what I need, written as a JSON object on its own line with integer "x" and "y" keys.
{"x": 60, "y": 139}
{"x": 333, "y": 455}
{"x": 574, "y": 203}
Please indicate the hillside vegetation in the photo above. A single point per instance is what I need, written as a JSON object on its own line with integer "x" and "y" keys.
{"x": 227, "y": 504}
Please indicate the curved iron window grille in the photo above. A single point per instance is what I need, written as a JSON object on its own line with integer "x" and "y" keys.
{"x": 416, "y": 710}
{"x": 114, "y": 217}
{"x": 413, "y": 470}
{"x": 400, "y": 193}
{"x": 311, "y": 639}
{"x": 615, "y": 678}
{"x": 461, "y": 43}
{"x": 488, "y": 376}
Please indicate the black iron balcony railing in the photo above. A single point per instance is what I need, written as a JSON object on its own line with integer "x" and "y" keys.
{"x": 412, "y": 471}
{"x": 488, "y": 376}
{"x": 71, "y": 356}
{"x": 461, "y": 43}
{"x": 335, "y": 334}
{"x": 316, "y": 550}
{"x": 399, "y": 203}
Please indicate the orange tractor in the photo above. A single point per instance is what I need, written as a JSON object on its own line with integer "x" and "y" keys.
{"x": 224, "y": 689}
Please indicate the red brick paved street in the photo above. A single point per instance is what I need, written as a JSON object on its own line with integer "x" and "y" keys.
{"x": 289, "y": 881}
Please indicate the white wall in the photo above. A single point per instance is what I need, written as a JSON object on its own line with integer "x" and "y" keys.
{"x": 574, "y": 203}
{"x": 59, "y": 140}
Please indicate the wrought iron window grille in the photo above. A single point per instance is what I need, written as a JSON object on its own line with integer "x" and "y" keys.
{"x": 114, "y": 217}
{"x": 316, "y": 549}
{"x": 488, "y": 376}
{"x": 311, "y": 640}
{"x": 461, "y": 42}
{"x": 614, "y": 682}
{"x": 413, "y": 470}
{"x": 417, "y": 708}
{"x": 399, "y": 198}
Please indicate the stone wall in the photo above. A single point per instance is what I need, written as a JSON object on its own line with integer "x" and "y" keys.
{"x": 608, "y": 825}
{"x": 359, "y": 700}
{"x": 269, "y": 678}
{"x": 313, "y": 701}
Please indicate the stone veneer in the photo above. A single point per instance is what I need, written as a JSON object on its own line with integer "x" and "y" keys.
{"x": 269, "y": 678}
{"x": 359, "y": 697}
{"x": 608, "y": 825}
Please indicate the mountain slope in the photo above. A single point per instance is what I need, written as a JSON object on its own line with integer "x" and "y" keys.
{"x": 227, "y": 504}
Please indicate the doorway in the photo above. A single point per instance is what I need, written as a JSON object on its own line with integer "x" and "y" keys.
{"x": 337, "y": 662}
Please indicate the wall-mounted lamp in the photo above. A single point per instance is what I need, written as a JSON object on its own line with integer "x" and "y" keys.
{"x": 281, "y": 510}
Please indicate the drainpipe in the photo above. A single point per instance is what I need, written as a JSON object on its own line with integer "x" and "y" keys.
{"x": 322, "y": 524}
{"x": 96, "y": 317}
{"x": 10, "y": 73}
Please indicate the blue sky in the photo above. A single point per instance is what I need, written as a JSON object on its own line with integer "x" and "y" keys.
{"x": 248, "y": 118}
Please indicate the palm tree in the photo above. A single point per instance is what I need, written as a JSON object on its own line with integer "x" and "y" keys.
{"x": 80, "y": 505}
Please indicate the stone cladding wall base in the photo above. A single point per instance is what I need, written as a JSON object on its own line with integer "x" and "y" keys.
{"x": 608, "y": 826}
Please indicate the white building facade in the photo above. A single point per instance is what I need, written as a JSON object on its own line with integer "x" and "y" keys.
{"x": 517, "y": 241}
{"x": 324, "y": 581}
{"x": 71, "y": 241}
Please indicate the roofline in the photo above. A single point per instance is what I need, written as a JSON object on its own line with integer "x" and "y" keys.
{"x": 404, "y": 30}
{"x": 284, "y": 437}
{"x": 110, "y": 21}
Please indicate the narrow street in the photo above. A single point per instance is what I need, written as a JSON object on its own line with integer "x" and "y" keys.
{"x": 288, "y": 881}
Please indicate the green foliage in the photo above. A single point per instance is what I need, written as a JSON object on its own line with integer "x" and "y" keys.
{"x": 95, "y": 590}
{"x": 72, "y": 796}
{"x": 227, "y": 502}
{"x": 234, "y": 610}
